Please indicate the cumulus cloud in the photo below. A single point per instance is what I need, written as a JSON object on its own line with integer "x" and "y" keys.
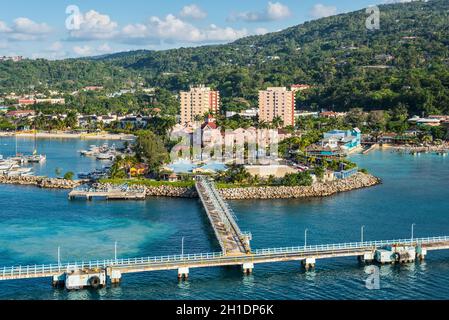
{"x": 24, "y": 29}
{"x": 273, "y": 11}
{"x": 82, "y": 50}
{"x": 398, "y": 1}
{"x": 87, "y": 50}
{"x": 322, "y": 11}
{"x": 172, "y": 28}
{"x": 97, "y": 26}
{"x": 105, "y": 48}
{"x": 94, "y": 26}
{"x": 56, "y": 46}
{"x": 4, "y": 27}
{"x": 261, "y": 31}
{"x": 193, "y": 12}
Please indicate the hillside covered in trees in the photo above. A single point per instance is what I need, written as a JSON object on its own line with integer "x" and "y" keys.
{"x": 405, "y": 63}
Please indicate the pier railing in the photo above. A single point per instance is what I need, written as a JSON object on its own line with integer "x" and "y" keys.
{"x": 46, "y": 270}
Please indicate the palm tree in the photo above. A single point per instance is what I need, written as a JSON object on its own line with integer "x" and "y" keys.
{"x": 263, "y": 125}
{"x": 277, "y": 122}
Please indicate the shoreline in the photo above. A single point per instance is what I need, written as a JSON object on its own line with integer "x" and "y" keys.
{"x": 317, "y": 190}
{"x": 64, "y": 135}
{"x": 321, "y": 189}
{"x": 42, "y": 182}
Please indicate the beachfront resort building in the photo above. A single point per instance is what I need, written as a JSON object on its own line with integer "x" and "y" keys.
{"x": 336, "y": 143}
{"x": 347, "y": 139}
{"x": 198, "y": 101}
{"x": 277, "y": 102}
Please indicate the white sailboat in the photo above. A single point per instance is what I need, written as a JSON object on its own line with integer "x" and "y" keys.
{"x": 35, "y": 157}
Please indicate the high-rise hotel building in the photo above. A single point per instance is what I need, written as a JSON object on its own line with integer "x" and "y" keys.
{"x": 277, "y": 102}
{"x": 197, "y": 102}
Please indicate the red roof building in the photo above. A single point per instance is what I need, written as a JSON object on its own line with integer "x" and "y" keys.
{"x": 27, "y": 101}
{"x": 21, "y": 113}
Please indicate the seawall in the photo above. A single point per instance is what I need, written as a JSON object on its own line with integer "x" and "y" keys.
{"x": 358, "y": 181}
{"x": 41, "y": 182}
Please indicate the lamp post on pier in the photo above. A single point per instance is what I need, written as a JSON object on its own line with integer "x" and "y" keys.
{"x": 115, "y": 251}
{"x": 59, "y": 256}
{"x": 413, "y": 229}
{"x": 305, "y": 238}
{"x": 362, "y": 229}
{"x": 182, "y": 248}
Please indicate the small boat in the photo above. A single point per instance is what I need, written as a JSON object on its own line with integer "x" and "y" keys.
{"x": 93, "y": 150}
{"x": 24, "y": 170}
{"x": 83, "y": 175}
{"x": 105, "y": 156}
{"x": 18, "y": 159}
{"x": 5, "y": 166}
{"x": 36, "y": 158}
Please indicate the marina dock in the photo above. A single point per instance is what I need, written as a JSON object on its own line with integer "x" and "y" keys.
{"x": 117, "y": 193}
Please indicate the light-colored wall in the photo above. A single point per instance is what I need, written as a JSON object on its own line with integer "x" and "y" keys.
{"x": 198, "y": 101}
{"x": 277, "y": 101}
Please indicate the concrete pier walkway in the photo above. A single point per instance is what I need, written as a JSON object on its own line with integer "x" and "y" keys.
{"x": 232, "y": 240}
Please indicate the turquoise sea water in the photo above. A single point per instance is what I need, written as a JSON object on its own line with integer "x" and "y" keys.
{"x": 34, "y": 222}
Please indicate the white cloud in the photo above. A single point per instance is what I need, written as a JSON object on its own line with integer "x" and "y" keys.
{"x": 322, "y": 11}
{"x": 261, "y": 31}
{"x": 4, "y": 27}
{"x": 56, "y": 46}
{"x": 277, "y": 11}
{"x": 214, "y": 33}
{"x": 87, "y": 50}
{"x": 95, "y": 26}
{"x": 172, "y": 29}
{"x": 83, "y": 50}
{"x": 24, "y": 29}
{"x": 193, "y": 12}
{"x": 273, "y": 11}
{"x": 27, "y": 26}
{"x": 398, "y": 1}
{"x": 105, "y": 48}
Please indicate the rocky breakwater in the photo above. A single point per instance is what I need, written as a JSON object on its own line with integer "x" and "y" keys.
{"x": 171, "y": 191}
{"x": 154, "y": 191}
{"x": 357, "y": 181}
{"x": 41, "y": 182}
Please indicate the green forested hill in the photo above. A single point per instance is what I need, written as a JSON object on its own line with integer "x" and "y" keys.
{"x": 406, "y": 62}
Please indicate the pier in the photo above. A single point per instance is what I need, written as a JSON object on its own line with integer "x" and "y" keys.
{"x": 112, "y": 193}
{"x": 235, "y": 245}
{"x": 232, "y": 240}
{"x": 308, "y": 255}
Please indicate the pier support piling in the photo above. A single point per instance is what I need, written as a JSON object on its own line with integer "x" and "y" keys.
{"x": 58, "y": 281}
{"x": 248, "y": 268}
{"x": 366, "y": 258}
{"x": 183, "y": 273}
{"x": 421, "y": 253}
{"x": 115, "y": 277}
{"x": 308, "y": 263}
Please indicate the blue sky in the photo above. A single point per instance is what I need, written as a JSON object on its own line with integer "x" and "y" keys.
{"x": 39, "y": 28}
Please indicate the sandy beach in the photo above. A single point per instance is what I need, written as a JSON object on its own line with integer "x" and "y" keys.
{"x": 66, "y": 135}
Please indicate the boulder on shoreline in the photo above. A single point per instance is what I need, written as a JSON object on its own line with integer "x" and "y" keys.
{"x": 41, "y": 182}
{"x": 357, "y": 181}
